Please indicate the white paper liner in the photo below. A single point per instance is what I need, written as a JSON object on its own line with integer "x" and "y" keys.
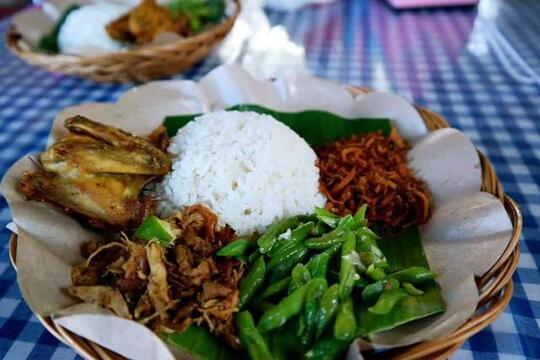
{"x": 465, "y": 236}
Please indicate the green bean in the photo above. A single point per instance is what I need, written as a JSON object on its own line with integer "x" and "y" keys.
{"x": 325, "y": 241}
{"x": 235, "y": 248}
{"x": 269, "y": 238}
{"x": 346, "y": 222}
{"x": 252, "y": 281}
{"x": 414, "y": 275}
{"x": 327, "y": 217}
{"x": 288, "y": 307}
{"x": 254, "y": 256}
{"x": 360, "y": 283}
{"x": 372, "y": 292}
{"x": 313, "y": 297}
{"x": 250, "y": 338}
{"x": 347, "y": 271}
{"x": 411, "y": 289}
{"x": 327, "y": 349}
{"x": 318, "y": 265}
{"x": 289, "y": 258}
{"x": 360, "y": 215}
{"x": 375, "y": 273}
{"x": 274, "y": 289}
{"x": 387, "y": 301}
{"x": 367, "y": 235}
{"x": 288, "y": 263}
{"x": 261, "y": 306}
{"x": 345, "y": 325}
{"x": 327, "y": 309}
{"x": 300, "y": 276}
{"x": 319, "y": 229}
{"x": 297, "y": 235}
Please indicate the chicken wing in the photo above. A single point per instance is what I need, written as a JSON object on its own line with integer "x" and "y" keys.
{"x": 98, "y": 171}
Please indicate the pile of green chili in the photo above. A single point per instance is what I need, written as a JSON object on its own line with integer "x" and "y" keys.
{"x": 306, "y": 275}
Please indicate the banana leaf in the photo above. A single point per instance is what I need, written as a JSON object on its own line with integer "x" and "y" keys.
{"x": 404, "y": 251}
{"x": 316, "y": 127}
{"x": 199, "y": 343}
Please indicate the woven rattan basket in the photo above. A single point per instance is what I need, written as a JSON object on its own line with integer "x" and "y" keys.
{"x": 137, "y": 64}
{"x": 495, "y": 286}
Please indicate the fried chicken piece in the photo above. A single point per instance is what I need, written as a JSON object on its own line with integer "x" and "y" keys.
{"x": 98, "y": 172}
{"x": 145, "y": 21}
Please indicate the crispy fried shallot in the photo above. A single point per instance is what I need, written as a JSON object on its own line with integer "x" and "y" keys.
{"x": 372, "y": 169}
{"x": 166, "y": 288}
{"x": 104, "y": 296}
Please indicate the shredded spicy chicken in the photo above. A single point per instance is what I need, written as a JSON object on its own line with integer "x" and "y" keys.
{"x": 166, "y": 288}
{"x": 372, "y": 169}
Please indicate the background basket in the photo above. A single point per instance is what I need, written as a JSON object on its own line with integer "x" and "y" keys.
{"x": 137, "y": 64}
{"x": 495, "y": 286}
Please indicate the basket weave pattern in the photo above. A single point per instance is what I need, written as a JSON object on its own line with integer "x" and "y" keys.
{"x": 137, "y": 64}
{"x": 495, "y": 287}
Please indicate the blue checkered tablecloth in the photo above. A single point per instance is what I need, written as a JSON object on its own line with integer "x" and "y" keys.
{"x": 432, "y": 57}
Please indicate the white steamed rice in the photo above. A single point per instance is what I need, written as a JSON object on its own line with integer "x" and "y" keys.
{"x": 84, "y": 31}
{"x": 250, "y": 169}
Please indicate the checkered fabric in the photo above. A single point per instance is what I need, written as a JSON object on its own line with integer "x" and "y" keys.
{"x": 430, "y": 56}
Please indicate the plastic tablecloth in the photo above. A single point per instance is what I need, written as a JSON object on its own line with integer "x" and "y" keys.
{"x": 438, "y": 58}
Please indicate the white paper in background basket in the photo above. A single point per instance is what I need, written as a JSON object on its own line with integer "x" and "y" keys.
{"x": 142, "y": 109}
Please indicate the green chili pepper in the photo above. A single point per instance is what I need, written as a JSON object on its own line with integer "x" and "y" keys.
{"x": 250, "y": 338}
{"x": 372, "y": 292}
{"x": 375, "y": 273}
{"x": 300, "y": 276}
{"x": 313, "y": 297}
{"x": 347, "y": 271}
{"x": 411, "y": 289}
{"x": 345, "y": 325}
{"x": 327, "y": 309}
{"x": 325, "y": 241}
{"x": 153, "y": 228}
{"x": 288, "y": 307}
{"x": 328, "y": 349}
{"x": 269, "y": 238}
{"x": 327, "y": 217}
{"x": 275, "y": 288}
{"x": 387, "y": 301}
{"x": 234, "y": 248}
{"x": 413, "y": 275}
{"x": 318, "y": 265}
{"x": 252, "y": 281}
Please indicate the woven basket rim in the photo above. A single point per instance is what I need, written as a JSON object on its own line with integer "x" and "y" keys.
{"x": 139, "y": 64}
{"x": 495, "y": 286}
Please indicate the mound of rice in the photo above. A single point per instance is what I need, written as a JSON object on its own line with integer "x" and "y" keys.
{"x": 84, "y": 31}
{"x": 250, "y": 169}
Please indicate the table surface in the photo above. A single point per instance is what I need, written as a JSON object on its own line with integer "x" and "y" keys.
{"x": 435, "y": 57}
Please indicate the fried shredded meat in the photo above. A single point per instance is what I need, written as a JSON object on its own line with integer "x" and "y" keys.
{"x": 372, "y": 169}
{"x": 166, "y": 288}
